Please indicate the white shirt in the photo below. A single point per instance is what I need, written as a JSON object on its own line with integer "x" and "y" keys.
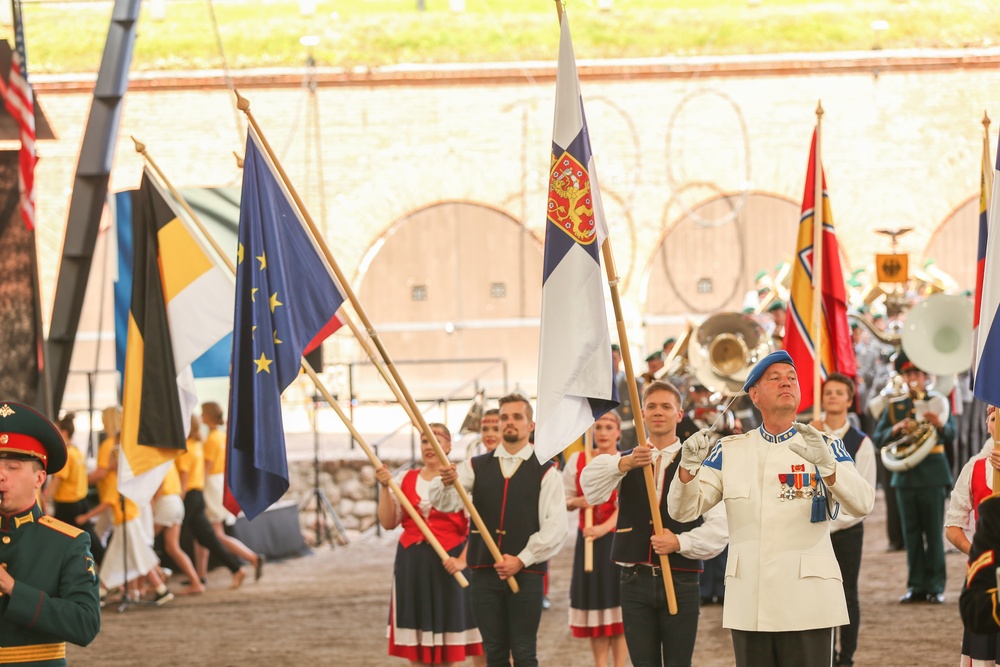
{"x": 864, "y": 461}
{"x": 602, "y": 476}
{"x": 960, "y": 510}
{"x": 553, "y": 521}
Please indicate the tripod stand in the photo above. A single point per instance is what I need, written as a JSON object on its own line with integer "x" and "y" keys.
{"x": 325, "y": 514}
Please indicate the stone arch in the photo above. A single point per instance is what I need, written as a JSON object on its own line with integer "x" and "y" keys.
{"x": 450, "y": 281}
{"x": 954, "y": 243}
{"x": 698, "y": 269}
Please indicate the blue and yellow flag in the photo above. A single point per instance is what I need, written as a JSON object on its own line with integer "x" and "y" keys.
{"x": 286, "y": 294}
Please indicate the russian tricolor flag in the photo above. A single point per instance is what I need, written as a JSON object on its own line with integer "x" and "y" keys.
{"x": 576, "y": 383}
{"x": 986, "y": 326}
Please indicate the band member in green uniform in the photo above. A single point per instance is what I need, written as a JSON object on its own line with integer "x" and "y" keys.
{"x": 921, "y": 490}
{"x": 48, "y": 581}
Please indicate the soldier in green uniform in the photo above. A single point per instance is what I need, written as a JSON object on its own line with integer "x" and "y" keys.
{"x": 49, "y": 591}
{"x": 920, "y": 491}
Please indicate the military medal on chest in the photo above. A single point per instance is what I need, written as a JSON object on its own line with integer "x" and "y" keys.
{"x": 797, "y": 484}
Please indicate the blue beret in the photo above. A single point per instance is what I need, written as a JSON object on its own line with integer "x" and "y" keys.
{"x": 779, "y": 357}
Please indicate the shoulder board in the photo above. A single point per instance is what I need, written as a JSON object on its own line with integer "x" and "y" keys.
{"x": 60, "y": 526}
{"x": 738, "y": 436}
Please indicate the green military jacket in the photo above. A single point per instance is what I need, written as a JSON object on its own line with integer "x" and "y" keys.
{"x": 933, "y": 470}
{"x": 56, "y": 597}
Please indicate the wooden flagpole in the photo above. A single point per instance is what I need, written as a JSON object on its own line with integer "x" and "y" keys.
{"x": 588, "y": 514}
{"x": 375, "y": 461}
{"x": 817, "y": 265}
{"x": 988, "y": 192}
{"x": 244, "y": 105}
{"x": 633, "y": 392}
{"x": 640, "y": 428}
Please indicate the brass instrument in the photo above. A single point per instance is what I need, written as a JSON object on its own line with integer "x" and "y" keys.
{"x": 676, "y": 363}
{"x": 911, "y": 448}
{"x": 724, "y": 348}
{"x": 887, "y": 337}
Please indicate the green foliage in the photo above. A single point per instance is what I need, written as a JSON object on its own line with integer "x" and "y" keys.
{"x": 69, "y": 36}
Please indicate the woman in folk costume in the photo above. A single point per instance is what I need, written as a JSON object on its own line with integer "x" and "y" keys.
{"x": 430, "y": 615}
{"x": 975, "y": 483}
{"x": 595, "y": 597}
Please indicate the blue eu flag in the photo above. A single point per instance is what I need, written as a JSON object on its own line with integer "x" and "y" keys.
{"x": 285, "y": 294}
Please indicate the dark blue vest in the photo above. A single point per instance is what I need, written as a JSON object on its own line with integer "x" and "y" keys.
{"x": 852, "y": 440}
{"x": 509, "y": 508}
{"x": 635, "y": 523}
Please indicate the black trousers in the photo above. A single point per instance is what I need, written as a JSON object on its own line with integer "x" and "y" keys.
{"x": 801, "y": 648}
{"x": 847, "y": 545}
{"x": 654, "y": 636}
{"x": 507, "y": 621}
{"x": 197, "y": 522}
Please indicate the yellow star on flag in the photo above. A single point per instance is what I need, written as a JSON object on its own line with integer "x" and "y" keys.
{"x": 239, "y": 254}
{"x": 263, "y": 364}
{"x": 252, "y": 330}
{"x": 274, "y": 302}
{"x": 253, "y": 294}
{"x": 276, "y": 341}
{"x": 262, "y": 258}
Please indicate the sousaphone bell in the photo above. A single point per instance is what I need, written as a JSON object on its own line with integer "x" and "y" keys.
{"x": 724, "y": 348}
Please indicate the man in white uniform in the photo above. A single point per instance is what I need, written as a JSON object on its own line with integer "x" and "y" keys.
{"x": 784, "y": 591}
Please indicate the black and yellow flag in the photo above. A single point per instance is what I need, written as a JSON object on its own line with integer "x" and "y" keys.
{"x": 153, "y": 428}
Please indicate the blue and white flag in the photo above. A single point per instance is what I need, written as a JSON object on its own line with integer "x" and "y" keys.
{"x": 986, "y": 365}
{"x": 576, "y": 383}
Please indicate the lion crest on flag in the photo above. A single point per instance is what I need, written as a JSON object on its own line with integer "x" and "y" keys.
{"x": 570, "y": 206}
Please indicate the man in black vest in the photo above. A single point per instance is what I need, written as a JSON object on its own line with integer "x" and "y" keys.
{"x": 654, "y": 636}
{"x": 847, "y": 533}
{"x": 523, "y": 504}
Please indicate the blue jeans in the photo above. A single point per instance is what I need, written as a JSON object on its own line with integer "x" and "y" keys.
{"x": 654, "y": 636}
{"x": 507, "y": 621}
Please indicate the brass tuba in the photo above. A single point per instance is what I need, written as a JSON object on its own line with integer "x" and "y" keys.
{"x": 724, "y": 348}
{"x": 937, "y": 337}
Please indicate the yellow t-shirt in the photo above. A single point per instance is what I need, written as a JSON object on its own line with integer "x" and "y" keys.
{"x": 72, "y": 478}
{"x": 193, "y": 463}
{"x": 104, "y": 460}
{"x": 215, "y": 451}
{"x": 171, "y": 485}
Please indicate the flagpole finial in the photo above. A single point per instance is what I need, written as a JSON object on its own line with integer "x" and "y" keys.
{"x": 242, "y": 103}
{"x": 986, "y": 120}
{"x": 239, "y": 160}
{"x": 819, "y": 110}
{"x": 559, "y": 9}
{"x": 140, "y": 147}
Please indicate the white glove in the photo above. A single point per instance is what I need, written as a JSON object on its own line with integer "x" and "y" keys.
{"x": 816, "y": 450}
{"x": 695, "y": 450}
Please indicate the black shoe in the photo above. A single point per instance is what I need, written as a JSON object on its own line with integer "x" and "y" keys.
{"x": 913, "y": 596}
{"x": 893, "y": 546}
{"x": 935, "y": 598}
{"x": 707, "y": 600}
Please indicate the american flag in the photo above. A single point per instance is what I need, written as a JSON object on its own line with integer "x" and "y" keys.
{"x": 20, "y": 103}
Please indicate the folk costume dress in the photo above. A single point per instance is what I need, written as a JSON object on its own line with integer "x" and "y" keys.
{"x": 430, "y": 616}
{"x": 975, "y": 484}
{"x": 594, "y": 597}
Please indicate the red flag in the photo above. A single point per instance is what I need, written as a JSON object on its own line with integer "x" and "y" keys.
{"x": 20, "y": 103}
{"x": 836, "y": 348}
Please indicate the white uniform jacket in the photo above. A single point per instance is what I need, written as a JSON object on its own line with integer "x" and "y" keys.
{"x": 782, "y": 574}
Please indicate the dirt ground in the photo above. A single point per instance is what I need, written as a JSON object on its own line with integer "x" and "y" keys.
{"x": 330, "y": 608}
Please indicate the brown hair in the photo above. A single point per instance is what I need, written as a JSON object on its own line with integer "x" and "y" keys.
{"x": 517, "y": 398}
{"x": 195, "y": 432}
{"x": 213, "y": 411}
{"x": 68, "y": 423}
{"x": 844, "y": 380}
{"x": 660, "y": 385}
{"x": 492, "y": 412}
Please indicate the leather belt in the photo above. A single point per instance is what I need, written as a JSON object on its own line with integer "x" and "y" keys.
{"x": 646, "y": 568}
{"x": 32, "y": 653}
